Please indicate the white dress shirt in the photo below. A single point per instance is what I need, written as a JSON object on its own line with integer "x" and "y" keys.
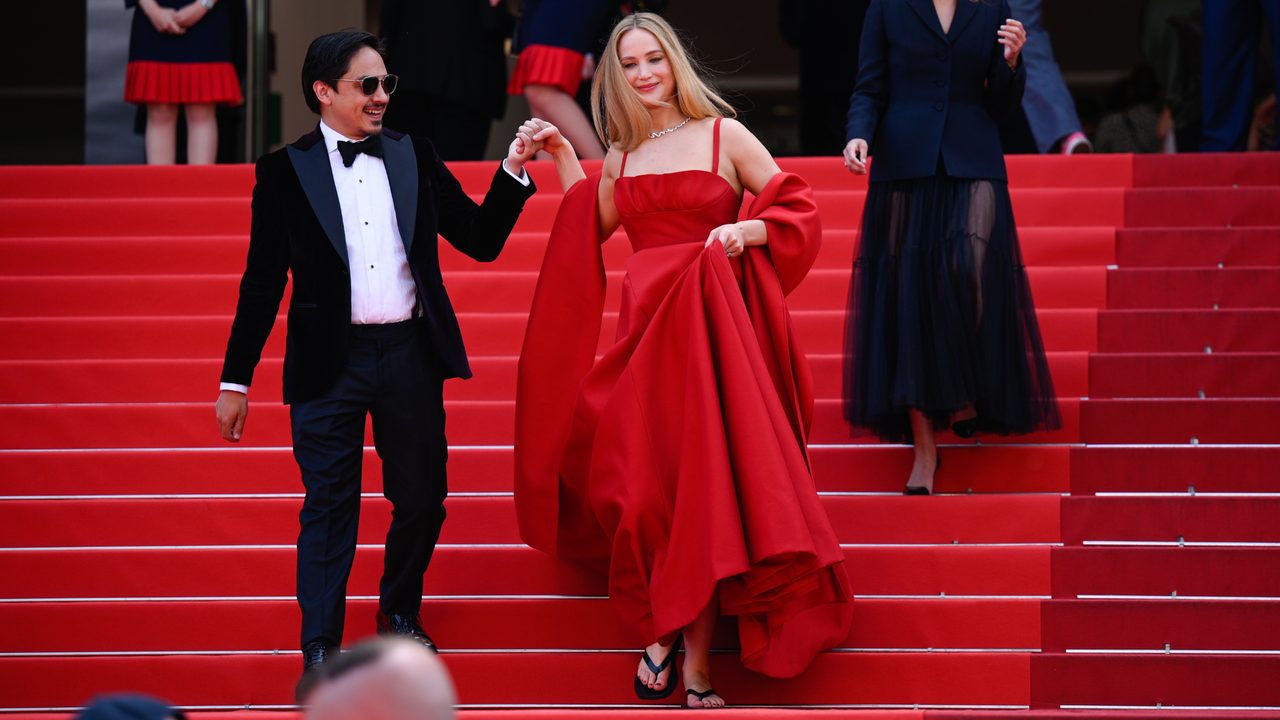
{"x": 382, "y": 286}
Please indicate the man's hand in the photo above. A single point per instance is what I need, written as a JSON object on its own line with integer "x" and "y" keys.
{"x": 855, "y": 156}
{"x": 162, "y": 18}
{"x": 190, "y": 14}
{"x": 232, "y": 409}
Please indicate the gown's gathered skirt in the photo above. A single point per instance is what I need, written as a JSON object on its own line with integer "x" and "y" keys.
{"x": 940, "y": 313}
{"x": 677, "y": 464}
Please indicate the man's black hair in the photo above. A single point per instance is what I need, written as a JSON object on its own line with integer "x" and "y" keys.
{"x": 329, "y": 58}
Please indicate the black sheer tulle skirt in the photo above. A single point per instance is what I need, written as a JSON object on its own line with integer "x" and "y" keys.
{"x": 940, "y": 313}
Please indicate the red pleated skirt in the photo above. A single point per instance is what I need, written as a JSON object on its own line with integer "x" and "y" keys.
{"x": 182, "y": 83}
{"x": 547, "y": 65}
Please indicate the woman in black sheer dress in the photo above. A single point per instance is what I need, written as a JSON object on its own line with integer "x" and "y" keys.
{"x": 942, "y": 329}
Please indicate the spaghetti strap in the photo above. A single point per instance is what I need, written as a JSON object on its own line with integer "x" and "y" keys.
{"x": 715, "y": 149}
{"x": 623, "y": 169}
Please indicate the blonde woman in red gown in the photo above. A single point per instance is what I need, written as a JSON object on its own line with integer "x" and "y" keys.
{"x": 677, "y": 463}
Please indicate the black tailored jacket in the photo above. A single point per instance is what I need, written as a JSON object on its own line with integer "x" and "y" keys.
{"x": 922, "y": 92}
{"x": 297, "y": 228}
{"x": 451, "y": 49}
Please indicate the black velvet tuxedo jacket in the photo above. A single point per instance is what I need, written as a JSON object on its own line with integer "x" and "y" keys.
{"x": 922, "y": 92}
{"x": 297, "y": 228}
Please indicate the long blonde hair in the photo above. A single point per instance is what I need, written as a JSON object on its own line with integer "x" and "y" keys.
{"x": 621, "y": 118}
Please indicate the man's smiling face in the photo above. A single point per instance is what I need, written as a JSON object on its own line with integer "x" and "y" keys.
{"x": 344, "y": 106}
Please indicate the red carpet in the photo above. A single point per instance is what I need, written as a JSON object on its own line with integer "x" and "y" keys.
{"x": 1046, "y": 580}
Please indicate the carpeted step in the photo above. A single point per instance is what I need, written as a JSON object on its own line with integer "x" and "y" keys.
{"x": 1201, "y": 207}
{"x": 1202, "y": 573}
{"x": 97, "y": 217}
{"x": 1201, "y": 469}
{"x": 873, "y": 520}
{"x": 1132, "y": 681}
{"x": 491, "y": 334}
{"x": 232, "y": 469}
{"x": 1205, "y": 169}
{"x": 225, "y": 254}
{"x": 1174, "y": 375}
{"x": 1233, "y": 288}
{"x": 481, "y": 624}
{"x": 1179, "y": 626}
{"x": 468, "y": 422}
{"x": 1197, "y": 247}
{"x": 178, "y": 380}
{"x": 520, "y": 678}
{"x": 264, "y": 572}
{"x": 1212, "y": 421}
{"x": 474, "y": 291}
{"x": 126, "y": 181}
{"x": 1183, "y": 331}
{"x": 1195, "y": 520}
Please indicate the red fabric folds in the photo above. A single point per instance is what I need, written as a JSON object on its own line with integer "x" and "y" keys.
{"x": 677, "y": 463}
{"x": 547, "y": 65}
{"x": 182, "y": 83}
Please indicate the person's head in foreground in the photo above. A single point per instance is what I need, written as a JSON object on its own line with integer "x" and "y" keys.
{"x": 128, "y": 706}
{"x": 382, "y": 680}
{"x": 645, "y": 66}
{"x": 345, "y": 82}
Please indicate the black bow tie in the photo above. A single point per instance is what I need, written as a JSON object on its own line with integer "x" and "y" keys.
{"x": 371, "y": 145}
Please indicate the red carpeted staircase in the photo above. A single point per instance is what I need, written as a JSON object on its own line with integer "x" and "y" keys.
{"x": 1125, "y": 564}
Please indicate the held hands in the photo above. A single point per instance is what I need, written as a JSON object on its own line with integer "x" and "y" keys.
{"x": 1013, "y": 36}
{"x": 162, "y": 18}
{"x": 855, "y": 156}
{"x": 190, "y": 14}
{"x": 731, "y": 236}
{"x": 232, "y": 409}
{"x": 535, "y": 135}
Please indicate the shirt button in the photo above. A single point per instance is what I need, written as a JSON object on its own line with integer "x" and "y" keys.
{"x": 942, "y": 55}
{"x": 938, "y": 107}
{"x": 366, "y": 223}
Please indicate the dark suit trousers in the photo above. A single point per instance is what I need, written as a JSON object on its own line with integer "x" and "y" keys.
{"x": 1232, "y": 30}
{"x": 393, "y": 376}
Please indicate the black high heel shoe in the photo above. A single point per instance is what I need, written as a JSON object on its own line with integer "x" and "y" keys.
{"x": 921, "y": 490}
{"x": 966, "y": 428}
{"x": 644, "y": 692}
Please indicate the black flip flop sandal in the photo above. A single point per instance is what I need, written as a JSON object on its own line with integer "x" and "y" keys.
{"x": 644, "y": 692}
{"x": 700, "y": 695}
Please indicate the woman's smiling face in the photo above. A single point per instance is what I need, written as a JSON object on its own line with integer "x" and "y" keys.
{"x": 645, "y": 64}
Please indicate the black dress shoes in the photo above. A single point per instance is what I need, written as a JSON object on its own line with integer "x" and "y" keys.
{"x": 314, "y": 654}
{"x": 406, "y": 626}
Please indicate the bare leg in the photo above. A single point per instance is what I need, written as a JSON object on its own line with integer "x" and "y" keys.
{"x": 162, "y": 134}
{"x": 554, "y": 105}
{"x": 697, "y": 657}
{"x": 202, "y": 135}
{"x": 926, "y": 451}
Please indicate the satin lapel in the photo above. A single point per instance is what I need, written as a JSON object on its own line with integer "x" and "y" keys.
{"x": 966, "y": 10}
{"x": 927, "y": 13}
{"x": 402, "y": 174}
{"x": 312, "y": 166}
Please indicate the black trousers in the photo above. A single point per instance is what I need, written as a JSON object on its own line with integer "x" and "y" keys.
{"x": 458, "y": 132}
{"x": 393, "y": 376}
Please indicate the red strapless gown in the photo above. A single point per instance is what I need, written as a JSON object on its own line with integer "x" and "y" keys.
{"x": 677, "y": 463}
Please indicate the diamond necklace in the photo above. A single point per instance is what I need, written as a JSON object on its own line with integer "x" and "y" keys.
{"x": 656, "y": 135}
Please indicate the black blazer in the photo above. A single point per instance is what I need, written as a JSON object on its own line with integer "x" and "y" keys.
{"x": 297, "y": 228}
{"x": 451, "y": 49}
{"x": 922, "y": 92}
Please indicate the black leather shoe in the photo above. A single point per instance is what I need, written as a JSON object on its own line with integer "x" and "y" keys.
{"x": 966, "y": 428}
{"x": 406, "y": 626}
{"x": 314, "y": 654}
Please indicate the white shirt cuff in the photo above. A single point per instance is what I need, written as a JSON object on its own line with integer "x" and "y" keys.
{"x": 522, "y": 178}
{"x": 232, "y": 386}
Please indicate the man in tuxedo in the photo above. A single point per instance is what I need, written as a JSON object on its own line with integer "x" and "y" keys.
{"x": 353, "y": 211}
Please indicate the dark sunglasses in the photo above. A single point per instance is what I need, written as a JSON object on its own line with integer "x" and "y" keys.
{"x": 369, "y": 85}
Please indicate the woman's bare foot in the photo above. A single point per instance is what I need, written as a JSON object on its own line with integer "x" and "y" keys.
{"x": 698, "y": 680}
{"x": 657, "y": 653}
